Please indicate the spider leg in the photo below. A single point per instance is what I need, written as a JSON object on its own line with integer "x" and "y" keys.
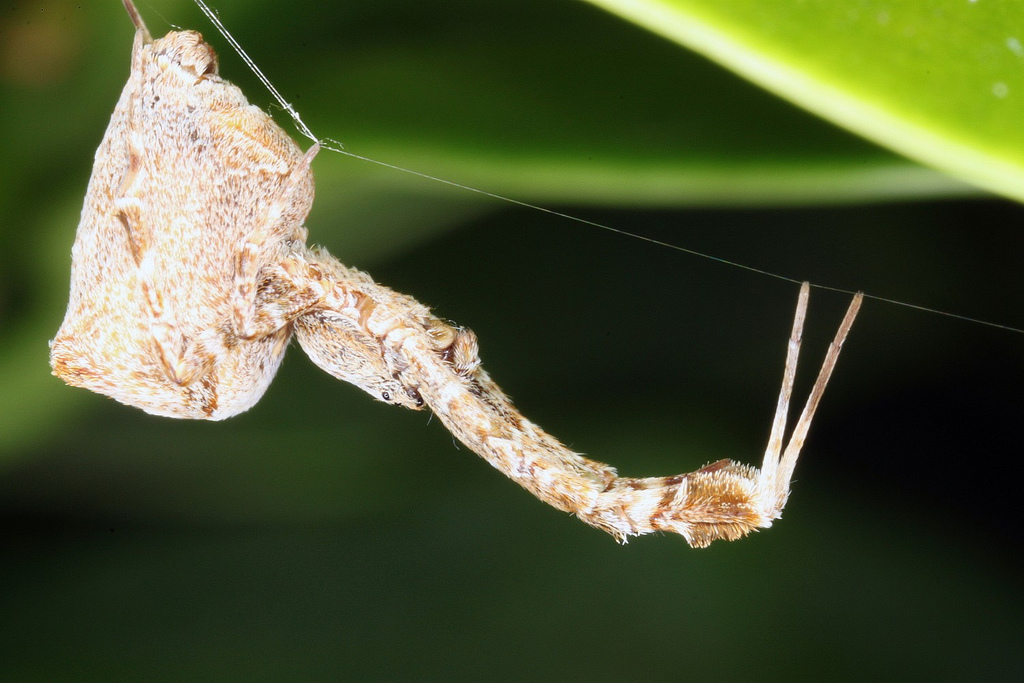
{"x": 770, "y": 466}
{"x": 391, "y": 346}
{"x": 803, "y": 424}
{"x": 140, "y": 25}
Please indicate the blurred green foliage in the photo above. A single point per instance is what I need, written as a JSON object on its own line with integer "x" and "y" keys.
{"x": 322, "y": 535}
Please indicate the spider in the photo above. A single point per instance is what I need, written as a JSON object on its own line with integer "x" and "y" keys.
{"x": 190, "y": 274}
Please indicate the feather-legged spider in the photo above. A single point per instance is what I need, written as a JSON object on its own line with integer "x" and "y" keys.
{"x": 190, "y": 273}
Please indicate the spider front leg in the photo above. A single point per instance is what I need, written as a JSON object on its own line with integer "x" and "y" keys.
{"x": 723, "y": 500}
{"x": 374, "y": 337}
{"x": 336, "y": 333}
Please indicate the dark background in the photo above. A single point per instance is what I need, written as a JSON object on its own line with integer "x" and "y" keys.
{"x": 323, "y": 535}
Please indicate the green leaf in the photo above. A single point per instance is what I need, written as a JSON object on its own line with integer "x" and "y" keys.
{"x": 941, "y": 82}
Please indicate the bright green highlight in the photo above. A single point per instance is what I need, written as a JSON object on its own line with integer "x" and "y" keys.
{"x": 941, "y": 82}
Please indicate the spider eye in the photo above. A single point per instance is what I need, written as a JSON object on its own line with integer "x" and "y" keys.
{"x": 415, "y": 396}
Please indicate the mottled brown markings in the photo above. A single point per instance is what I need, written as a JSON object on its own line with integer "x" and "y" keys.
{"x": 365, "y": 306}
{"x": 447, "y": 354}
{"x": 666, "y": 506}
{"x": 207, "y": 396}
